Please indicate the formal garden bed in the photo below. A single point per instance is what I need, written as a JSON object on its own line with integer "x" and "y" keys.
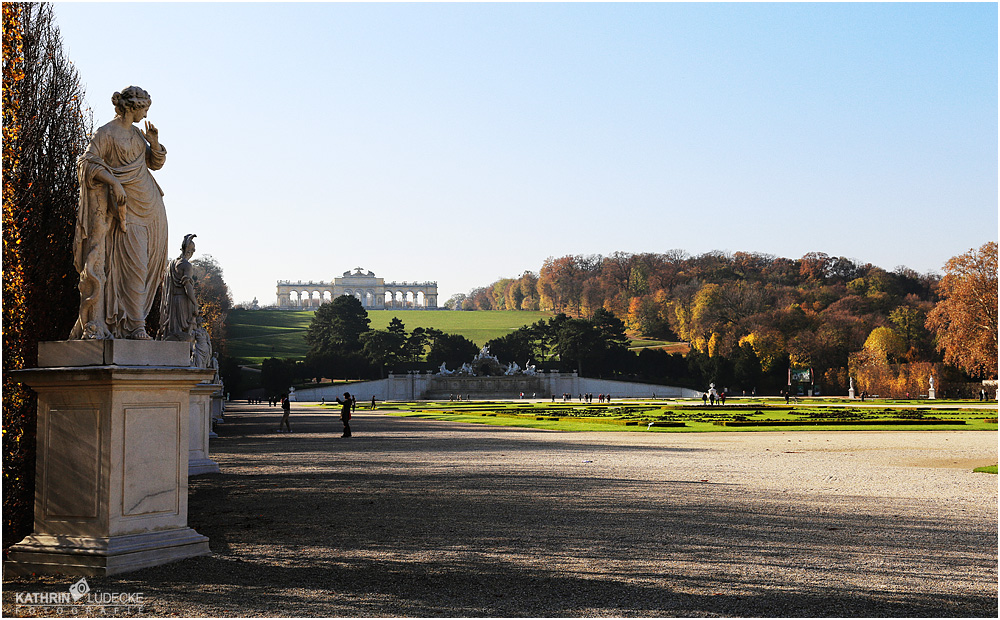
{"x": 679, "y": 417}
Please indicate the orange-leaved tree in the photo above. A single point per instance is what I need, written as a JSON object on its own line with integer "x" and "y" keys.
{"x": 965, "y": 320}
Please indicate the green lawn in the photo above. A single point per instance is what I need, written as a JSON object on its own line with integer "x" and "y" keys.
{"x": 258, "y": 334}
{"x": 690, "y": 417}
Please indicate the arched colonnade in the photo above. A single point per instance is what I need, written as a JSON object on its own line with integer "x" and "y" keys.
{"x": 373, "y": 292}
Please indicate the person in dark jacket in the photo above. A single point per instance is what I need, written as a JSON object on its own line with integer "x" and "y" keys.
{"x": 286, "y": 408}
{"x": 345, "y": 412}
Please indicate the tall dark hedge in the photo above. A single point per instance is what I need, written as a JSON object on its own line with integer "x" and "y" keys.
{"x": 45, "y": 130}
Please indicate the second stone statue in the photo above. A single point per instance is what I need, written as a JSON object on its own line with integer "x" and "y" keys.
{"x": 179, "y": 305}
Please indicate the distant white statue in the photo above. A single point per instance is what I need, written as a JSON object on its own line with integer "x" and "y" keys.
{"x": 443, "y": 370}
{"x": 512, "y": 369}
{"x": 467, "y": 370}
{"x": 529, "y": 369}
{"x": 201, "y": 354}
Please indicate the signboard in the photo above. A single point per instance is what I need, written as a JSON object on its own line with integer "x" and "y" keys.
{"x": 801, "y": 376}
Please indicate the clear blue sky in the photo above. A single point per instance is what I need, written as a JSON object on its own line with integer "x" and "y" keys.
{"x": 466, "y": 142}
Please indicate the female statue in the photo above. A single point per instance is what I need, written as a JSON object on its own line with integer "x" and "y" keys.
{"x": 120, "y": 247}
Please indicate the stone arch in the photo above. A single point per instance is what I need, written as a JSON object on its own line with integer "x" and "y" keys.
{"x": 420, "y": 299}
{"x": 293, "y": 298}
{"x": 327, "y": 296}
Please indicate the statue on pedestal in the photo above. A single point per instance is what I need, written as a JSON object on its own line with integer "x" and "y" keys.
{"x": 179, "y": 303}
{"x": 214, "y": 365}
{"x": 120, "y": 242}
{"x": 201, "y": 352}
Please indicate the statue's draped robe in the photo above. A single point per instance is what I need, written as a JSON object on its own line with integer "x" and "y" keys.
{"x": 179, "y": 308}
{"x": 119, "y": 296}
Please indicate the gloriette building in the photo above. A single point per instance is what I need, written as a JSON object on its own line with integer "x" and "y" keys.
{"x": 372, "y": 291}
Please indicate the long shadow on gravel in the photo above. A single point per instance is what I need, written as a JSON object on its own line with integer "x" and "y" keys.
{"x": 342, "y": 530}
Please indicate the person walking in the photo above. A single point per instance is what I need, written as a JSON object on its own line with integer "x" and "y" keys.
{"x": 286, "y": 408}
{"x": 373, "y": 403}
{"x": 345, "y": 412}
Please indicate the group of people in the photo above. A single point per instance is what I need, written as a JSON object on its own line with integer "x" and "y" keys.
{"x": 347, "y": 406}
{"x": 711, "y": 398}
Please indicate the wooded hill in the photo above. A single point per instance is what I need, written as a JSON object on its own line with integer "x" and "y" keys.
{"x": 748, "y": 309}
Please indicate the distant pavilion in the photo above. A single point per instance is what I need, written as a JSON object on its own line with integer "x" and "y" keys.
{"x": 373, "y": 292}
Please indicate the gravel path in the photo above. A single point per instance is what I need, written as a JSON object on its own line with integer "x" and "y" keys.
{"x": 420, "y": 518}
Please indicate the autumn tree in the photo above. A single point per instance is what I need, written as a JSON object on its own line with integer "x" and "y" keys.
{"x": 499, "y": 293}
{"x": 528, "y": 285}
{"x": 884, "y": 345}
{"x": 45, "y": 129}
{"x": 455, "y": 301}
{"x": 561, "y": 281}
{"x": 214, "y": 299}
{"x": 965, "y": 320}
{"x": 909, "y": 322}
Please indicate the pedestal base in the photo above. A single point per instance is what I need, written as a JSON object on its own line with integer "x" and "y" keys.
{"x": 201, "y": 430}
{"x": 71, "y": 555}
{"x": 113, "y": 445}
{"x": 202, "y": 466}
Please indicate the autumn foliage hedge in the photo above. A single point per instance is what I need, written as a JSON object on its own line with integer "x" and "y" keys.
{"x": 44, "y": 132}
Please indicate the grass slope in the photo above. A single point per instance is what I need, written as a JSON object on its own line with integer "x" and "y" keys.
{"x": 258, "y": 334}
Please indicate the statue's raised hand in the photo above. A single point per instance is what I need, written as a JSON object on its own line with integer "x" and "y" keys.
{"x": 152, "y": 135}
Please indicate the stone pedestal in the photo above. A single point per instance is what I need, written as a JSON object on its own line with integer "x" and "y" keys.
{"x": 931, "y": 395}
{"x": 111, "y": 477}
{"x": 201, "y": 430}
{"x": 218, "y": 408}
